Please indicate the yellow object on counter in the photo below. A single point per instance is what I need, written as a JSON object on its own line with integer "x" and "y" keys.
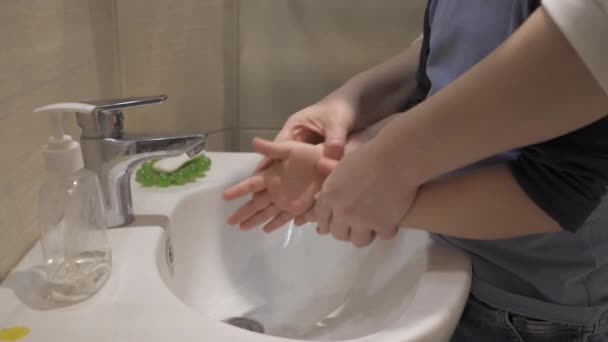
{"x": 13, "y": 333}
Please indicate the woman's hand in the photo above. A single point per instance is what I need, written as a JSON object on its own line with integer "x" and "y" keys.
{"x": 328, "y": 121}
{"x": 364, "y": 197}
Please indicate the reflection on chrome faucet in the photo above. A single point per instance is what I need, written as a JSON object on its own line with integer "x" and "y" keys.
{"x": 113, "y": 155}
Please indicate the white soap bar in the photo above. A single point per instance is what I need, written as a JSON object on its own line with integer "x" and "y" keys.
{"x": 171, "y": 164}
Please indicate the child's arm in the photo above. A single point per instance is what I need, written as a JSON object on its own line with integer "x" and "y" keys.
{"x": 484, "y": 204}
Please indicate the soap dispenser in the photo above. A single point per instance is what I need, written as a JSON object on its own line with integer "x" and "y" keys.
{"x": 72, "y": 219}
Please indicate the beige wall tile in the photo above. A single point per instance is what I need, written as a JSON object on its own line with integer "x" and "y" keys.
{"x": 44, "y": 40}
{"x": 176, "y": 48}
{"x": 220, "y": 141}
{"x": 51, "y": 51}
{"x": 246, "y": 135}
{"x": 292, "y": 53}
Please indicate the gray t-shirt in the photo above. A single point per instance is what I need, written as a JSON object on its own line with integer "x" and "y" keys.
{"x": 559, "y": 276}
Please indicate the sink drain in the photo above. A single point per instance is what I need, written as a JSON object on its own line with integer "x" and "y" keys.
{"x": 246, "y": 323}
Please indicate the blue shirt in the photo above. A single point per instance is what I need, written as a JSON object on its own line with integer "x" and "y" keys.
{"x": 558, "y": 276}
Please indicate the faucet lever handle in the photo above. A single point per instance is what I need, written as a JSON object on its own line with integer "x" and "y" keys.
{"x": 114, "y": 104}
{"x": 105, "y": 119}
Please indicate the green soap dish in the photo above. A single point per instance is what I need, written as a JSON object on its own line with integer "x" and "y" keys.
{"x": 189, "y": 172}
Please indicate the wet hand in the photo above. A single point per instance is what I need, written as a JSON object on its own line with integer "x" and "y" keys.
{"x": 283, "y": 190}
{"x": 363, "y": 198}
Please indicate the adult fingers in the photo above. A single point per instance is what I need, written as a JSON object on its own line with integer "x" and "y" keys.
{"x": 270, "y": 149}
{"x": 361, "y": 237}
{"x": 326, "y": 166}
{"x": 340, "y": 229}
{"x": 335, "y": 140}
{"x": 323, "y": 215}
{"x": 387, "y": 234}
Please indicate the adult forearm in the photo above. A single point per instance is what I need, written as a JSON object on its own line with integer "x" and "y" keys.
{"x": 467, "y": 205}
{"x": 531, "y": 89}
{"x": 483, "y": 204}
{"x": 383, "y": 89}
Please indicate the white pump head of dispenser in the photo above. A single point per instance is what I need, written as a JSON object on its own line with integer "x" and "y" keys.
{"x": 62, "y": 154}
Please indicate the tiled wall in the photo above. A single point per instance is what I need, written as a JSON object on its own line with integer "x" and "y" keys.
{"x": 51, "y": 51}
{"x": 242, "y": 66}
{"x": 292, "y": 53}
{"x": 183, "y": 49}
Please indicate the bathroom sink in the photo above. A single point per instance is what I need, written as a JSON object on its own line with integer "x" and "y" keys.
{"x": 298, "y": 285}
{"x": 181, "y": 274}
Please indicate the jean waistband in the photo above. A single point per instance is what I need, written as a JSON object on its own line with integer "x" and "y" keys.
{"x": 600, "y": 326}
{"x": 536, "y": 308}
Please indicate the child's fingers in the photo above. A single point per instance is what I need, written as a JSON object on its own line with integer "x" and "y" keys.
{"x": 272, "y": 150}
{"x": 260, "y": 217}
{"x": 277, "y": 222}
{"x": 262, "y": 165}
{"x": 259, "y": 201}
{"x": 304, "y": 218}
{"x": 250, "y": 185}
{"x": 326, "y": 166}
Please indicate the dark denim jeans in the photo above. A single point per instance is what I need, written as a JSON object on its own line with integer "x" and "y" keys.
{"x": 481, "y": 322}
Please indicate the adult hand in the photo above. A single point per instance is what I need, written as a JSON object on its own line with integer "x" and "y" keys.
{"x": 364, "y": 197}
{"x": 328, "y": 121}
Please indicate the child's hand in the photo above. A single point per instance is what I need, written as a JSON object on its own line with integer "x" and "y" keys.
{"x": 284, "y": 190}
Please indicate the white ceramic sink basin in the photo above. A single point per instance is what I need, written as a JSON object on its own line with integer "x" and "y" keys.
{"x": 299, "y": 285}
{"x": 184, "y": 281}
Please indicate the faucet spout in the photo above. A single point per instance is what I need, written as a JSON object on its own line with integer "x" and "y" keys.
{"x": 115, "y": 159}
{"x": 113, "y": 154}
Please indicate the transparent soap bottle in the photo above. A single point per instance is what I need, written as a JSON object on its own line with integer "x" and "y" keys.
{"x": 72, "y": 221}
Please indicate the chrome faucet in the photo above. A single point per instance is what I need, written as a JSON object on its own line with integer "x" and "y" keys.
{"x": 113, "y": 154}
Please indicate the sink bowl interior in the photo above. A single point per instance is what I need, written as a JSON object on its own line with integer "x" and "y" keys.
{"x": 293, "y": 282}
